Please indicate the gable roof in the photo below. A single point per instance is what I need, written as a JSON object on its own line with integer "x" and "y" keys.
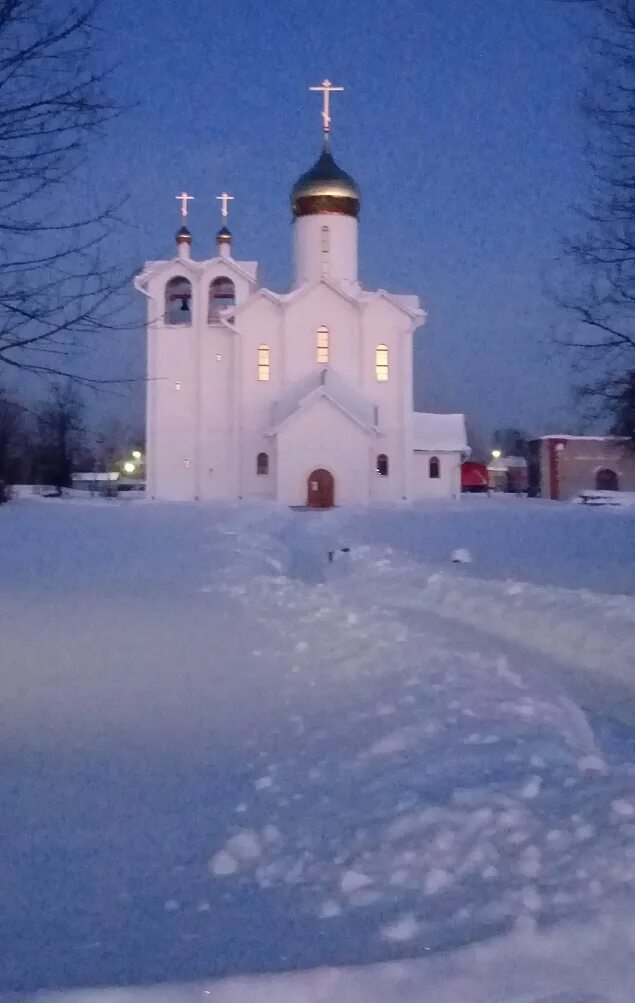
{"x": 324, "y": 383}
{"x": 246, "y": 269}
{"x": 438, "y": 433}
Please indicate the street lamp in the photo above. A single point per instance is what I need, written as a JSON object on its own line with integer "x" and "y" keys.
{"x": 136, "y": 454}
{"x": 129, "y": 467}
{"x": 496, "y": 454}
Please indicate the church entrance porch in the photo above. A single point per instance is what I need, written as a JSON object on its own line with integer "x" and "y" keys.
{"x": 321, "y": 489}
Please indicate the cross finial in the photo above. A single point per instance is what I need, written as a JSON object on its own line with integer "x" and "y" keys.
{"x": 184, "y": 199}
{"x": 224, "y": 199}
{"x": 327, "y": 88}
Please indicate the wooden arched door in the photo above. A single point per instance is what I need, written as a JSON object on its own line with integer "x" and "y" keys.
{"x": 321, "y": 489}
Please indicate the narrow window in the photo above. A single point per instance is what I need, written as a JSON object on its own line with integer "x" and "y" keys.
{"x": 435, "y": 468}
{"x": 178, "y": 301}
{"x": 177, "y": 385}
{"x": 325, "y": 240}
{"x": 222, "y": 296}
{"x": 262, "y": 464}
{"x": 382, "y": 465}
{"x": 322, "y": 344}
{"x": 263, "y": 363}
{"x": 381, "y": 363}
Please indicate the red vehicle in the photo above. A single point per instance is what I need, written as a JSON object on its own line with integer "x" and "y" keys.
{"x": 474, "y": 476}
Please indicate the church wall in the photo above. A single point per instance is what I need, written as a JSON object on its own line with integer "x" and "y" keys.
{"x": 171, "y": 422}
{"x": 302, "y": 318}
{"x": 383, "y": 324}
{"x": 218, "y": 464}
{"x": 259, "y": 325}
{"x": 253, "y": 484}
{"x": 447, "y": 485}
{"x": 391, "y": 487}
{"x": 324, "y": 437}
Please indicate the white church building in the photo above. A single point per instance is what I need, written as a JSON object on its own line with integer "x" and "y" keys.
{"x": 305, "y": 396}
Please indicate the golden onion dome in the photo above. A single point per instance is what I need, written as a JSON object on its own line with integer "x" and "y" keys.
{"x": 184, "y": 236}
{"x": 326, "y": 188}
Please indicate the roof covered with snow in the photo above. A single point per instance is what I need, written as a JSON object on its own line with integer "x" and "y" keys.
{"x": 325, "y": 383}
{"x": 439, "y": 432}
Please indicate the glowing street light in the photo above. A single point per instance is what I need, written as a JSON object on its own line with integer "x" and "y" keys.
{"x": 496, "y": 454}
{"x": 136, "y": 454}
{"x": 129, "y": 467}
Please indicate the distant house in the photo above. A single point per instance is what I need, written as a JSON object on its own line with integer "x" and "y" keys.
{"x": 563, "y": 466}
{"x": 508, "y": 473}
{"x": 112, "y": 483}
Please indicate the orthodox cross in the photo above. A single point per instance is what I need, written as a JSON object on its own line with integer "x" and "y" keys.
{"x": 184, "y": 199}
{"x": 224, "y": 199}
{"x": 326, "y": 88}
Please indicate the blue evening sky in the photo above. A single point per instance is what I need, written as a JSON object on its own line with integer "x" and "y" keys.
{"x": 460, "y": 122}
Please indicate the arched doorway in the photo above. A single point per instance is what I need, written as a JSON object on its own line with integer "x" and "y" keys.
{"x": 321, "y": 489}
{"x": 606, "y": 480}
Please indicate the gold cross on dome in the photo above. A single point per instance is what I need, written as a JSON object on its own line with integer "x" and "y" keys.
{"x": 326, "y": 88}
{"x": 224, "y": 199}
{"x": 184, "y": 198}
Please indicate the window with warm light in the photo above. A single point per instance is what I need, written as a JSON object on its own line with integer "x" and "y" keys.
{"x": 435, "y": 468}
{"x": 262, "y": 464}
{"x": 381, "y": 363}
{"x": 263, "y": 363}
{"x": 382, "y": 465}
{"x": 322, "y": 341}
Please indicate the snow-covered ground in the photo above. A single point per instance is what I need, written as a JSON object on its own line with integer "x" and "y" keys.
{"x": 224, "y": 753}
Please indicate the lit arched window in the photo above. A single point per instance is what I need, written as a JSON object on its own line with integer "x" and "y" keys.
{"x": 222, "y": 296}
{"x": 381, "y": 363}
{"x": 262, "y": 464}
{"x": 178, "y": 301}
{"x": 263, "y": 362}
{"x": 435, "y": 468}
{"x": 322, "y": 342}
{"x": 382, "y": 465}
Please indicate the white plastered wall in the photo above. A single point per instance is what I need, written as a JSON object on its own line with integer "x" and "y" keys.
{"x": 323, "y": 437}
{"x": 447, "y": 485}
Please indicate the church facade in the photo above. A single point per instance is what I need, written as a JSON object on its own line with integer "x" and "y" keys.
{"x": 304, "y": 397}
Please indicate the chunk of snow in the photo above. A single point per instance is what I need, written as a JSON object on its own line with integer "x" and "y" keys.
{"x": 461, "y": 556}
{"x": 404, "y": 929}
{"x": 622, "y": 808}
{"x": 352, "y": 881}
{"x": 436, "y": 880}
{"x": 329, "y": 909}
{"x": 592, "y": 764}
{"x": 244, "y": 846}
{"x": 531, "y": 789}
{"x": 271, "y": 834}
{"x": 388, "y": 745}
{"x": 223, "y": 864}
{"x": 262, "y": 783}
